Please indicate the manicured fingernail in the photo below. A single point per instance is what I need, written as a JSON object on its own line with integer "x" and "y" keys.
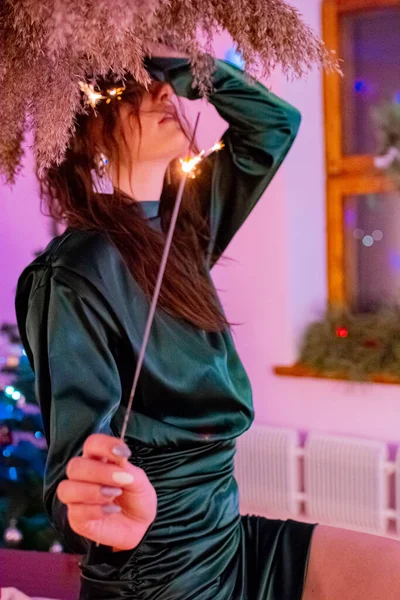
{"x": 121, "y": 477}
{"x": 110, "y": 491}
{"x": 111, "y": 509}
{"x": 121, "y": 451}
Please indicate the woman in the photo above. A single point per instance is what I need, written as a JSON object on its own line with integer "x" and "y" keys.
{"x": 158, "y": 518}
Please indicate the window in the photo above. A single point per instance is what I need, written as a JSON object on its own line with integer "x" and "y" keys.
{"x": 363, "y": 209}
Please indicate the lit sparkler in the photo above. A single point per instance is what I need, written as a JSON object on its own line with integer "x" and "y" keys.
{"x": 93, "y": 97}
{"x": 188, "y": 166}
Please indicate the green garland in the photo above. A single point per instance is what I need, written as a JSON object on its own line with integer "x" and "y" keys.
{"x": 359, "y": 345}
{"x": 387, "y": 121}
{"x": 355, "y": 345}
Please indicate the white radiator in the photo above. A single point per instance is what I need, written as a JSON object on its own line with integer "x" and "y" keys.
{"x": 345, "y": 481}
{"x": 333, "y": 480}
{"x": 397, "y": 475}
{"x": 266, "y": 469}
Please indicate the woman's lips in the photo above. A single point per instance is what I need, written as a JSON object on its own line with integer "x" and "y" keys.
{"x": 167, "y": 118}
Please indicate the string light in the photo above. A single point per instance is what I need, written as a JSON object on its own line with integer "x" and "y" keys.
{"x": 21, "y": 401}
{"x": 12, "y": 472}
{"x": 56, "y": 547}
{"x": 377, "y": 234}
{"x": 368, "y": 241}
{"x": 12, "y": 361}
{"x": 342, "y": 332}
{"x": 12, "y": 534}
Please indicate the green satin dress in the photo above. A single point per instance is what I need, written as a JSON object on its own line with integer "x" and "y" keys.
{"x": 81, "y": 317}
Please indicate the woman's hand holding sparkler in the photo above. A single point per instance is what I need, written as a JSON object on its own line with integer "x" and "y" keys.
{"x": 109, "y": 500}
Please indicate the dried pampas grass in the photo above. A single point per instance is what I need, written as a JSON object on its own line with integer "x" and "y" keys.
{"x": 47, "y": 46}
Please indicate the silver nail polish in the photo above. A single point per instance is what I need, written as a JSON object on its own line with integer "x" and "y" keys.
{"x": 110, "y": 491}
{"x": 121, "y": 451}
{"x": 111, "y": 508}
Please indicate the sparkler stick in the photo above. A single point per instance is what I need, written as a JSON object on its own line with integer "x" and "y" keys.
{"x": 188, "y": 166}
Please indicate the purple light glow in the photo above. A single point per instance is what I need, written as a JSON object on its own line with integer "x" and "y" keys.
{"x": 394, "y": 260}
{"x": 350, "y": 217}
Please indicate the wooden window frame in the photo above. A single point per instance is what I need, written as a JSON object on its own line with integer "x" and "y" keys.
{"x": 338, "y": 188}
{"x": 346, "y": 175}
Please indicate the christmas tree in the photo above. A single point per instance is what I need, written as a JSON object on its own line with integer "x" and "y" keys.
{"x": 23, "y": 521}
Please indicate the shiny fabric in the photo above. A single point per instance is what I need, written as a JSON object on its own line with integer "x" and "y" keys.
{"x": 81, "y": 316}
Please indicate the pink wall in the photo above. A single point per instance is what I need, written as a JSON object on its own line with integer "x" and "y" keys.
{"x": 23, "y": 231}
{"x": 276, "y": 283}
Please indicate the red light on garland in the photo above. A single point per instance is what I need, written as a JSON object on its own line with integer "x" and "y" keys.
{"x": 342, "y": 332}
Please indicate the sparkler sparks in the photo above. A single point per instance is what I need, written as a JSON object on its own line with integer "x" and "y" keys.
{"x": 189, "y": 164}
{"x": 93, "y": 97}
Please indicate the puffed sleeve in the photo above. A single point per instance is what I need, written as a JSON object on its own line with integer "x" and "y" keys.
{"x": 71, "y": 341}
{"x": 262, "y": 128}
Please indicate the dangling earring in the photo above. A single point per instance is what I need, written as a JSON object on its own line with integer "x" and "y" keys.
{"x": 169, "y": 181}
{"x": 102, "y": 183}
{"x": 102, "y": 161}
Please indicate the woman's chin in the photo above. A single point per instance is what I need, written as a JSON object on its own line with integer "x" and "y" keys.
{"x": 175, "y": 146}
{"x": 185, "y": 147}
{"x": 181, "y": 149}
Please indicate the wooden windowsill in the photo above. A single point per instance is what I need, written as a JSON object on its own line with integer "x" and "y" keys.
{"x": 299, "y": 370}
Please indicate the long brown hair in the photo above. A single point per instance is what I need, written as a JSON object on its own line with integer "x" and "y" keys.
{"x": 67, "y": 190}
